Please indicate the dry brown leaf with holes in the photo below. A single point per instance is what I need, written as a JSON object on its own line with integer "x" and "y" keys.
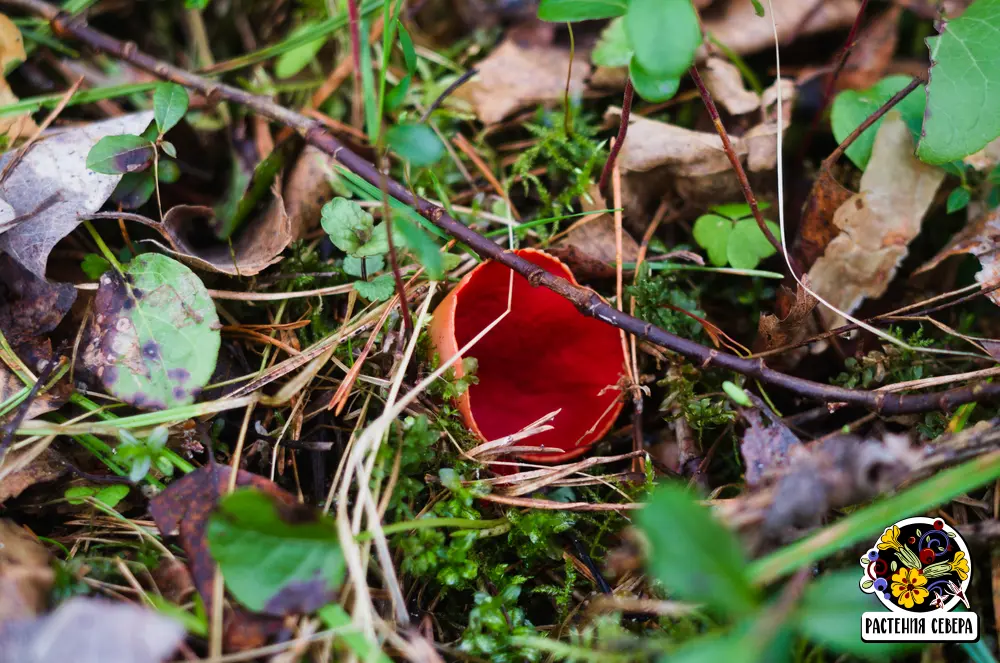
{"x": 257, "y": 247}
{"x": 980, "y": 238}
{"x": 877, "y": 224}
{"x": 774, "y": 332}
{"x": 735, "y": 24}
{"x": 11, "y": 51}
{"x": 25, "y": 574}
{"x": 513, "y": 77}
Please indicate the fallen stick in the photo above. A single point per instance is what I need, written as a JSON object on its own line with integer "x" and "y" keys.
{"x": 586, "y": 300}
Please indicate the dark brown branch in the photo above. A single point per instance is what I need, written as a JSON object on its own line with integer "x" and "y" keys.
{"x": 620, "y": 140}
{"x": 872, "y": 119}
{"x": 727, "y": 145}
{"x": 457, "y": 83}
{"x": 586, "y": 300}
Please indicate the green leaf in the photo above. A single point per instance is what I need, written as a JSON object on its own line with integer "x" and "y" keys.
{"x": 830, "y": 615}
{"x": 336, "y": 617}
{"x": 373, "y": 265}
{"x": 169, "y": 149}
{"x": 758, "y": 8}
{"x": 170, "y": 102}
{"x": 94, "y": 265}
{"x": 126, "y": 153}
{"x": 736, "y": 211}
{"x": 742, "y": 644}
{"x": 650, "y": 87}
{"x": 664, "y": 34}
{"x": 736, "y": 394}
{"x": 275, "y": 559}
{"x": 109, "y": 495}
{"x": 964, "y": 89}
{"x": 293, "y": 61}
{"x": 134, "y": 189}
{"x": 416, "y": 143}
{"x": 852, "y": 107}
{"x": 695, "y": 557}
{"x": 427, "y": 252}
{"x": 352, "y": 229}
{"x": 168, "y": 171}
{"x": 748, "y": 245}
{"x": 711, "y": 232}
{"x": 958, "y": 199}
{"x": 409, "y": 52}
{"x": 155, "y": 335}
{"x": 569, "y": 11}
{"x": 613, "y": 48}
{"x": 378, "y": 289}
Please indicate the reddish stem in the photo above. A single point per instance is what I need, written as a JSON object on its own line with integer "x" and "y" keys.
{"x": 620, "y": 140}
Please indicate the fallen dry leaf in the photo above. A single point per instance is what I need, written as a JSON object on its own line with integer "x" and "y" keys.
{"x": 774, "y": 332}
{"x": 30, "y": 306}
{"x": 658, "y": 156}
{"x": 24, "y": 468}
{"x": 980, "y": 238}
{"x": 515, "y": 76}
{"x": 258, "y": 246}
{"x": 91, "y": 630}
{"x": 766, "y": 444}
{"x": 51, "y": 187}
{"x": 588, "y": 249}
{"x": 871, "y": 56}
{"x": 876, "y": 224}
{"x": 307, "y": 189}
{"x": 25, "y": 574}
{"x": 735, "y": 24}
{"x": 816, "y": 229}
{"x": 724, "y": 80}
{"x": 11, "y": 51}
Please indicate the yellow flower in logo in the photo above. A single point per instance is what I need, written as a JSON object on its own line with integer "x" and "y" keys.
{"x": 890, "y": 539}
{"x": 908, "y": 586}
{"x": 960, "y": 565}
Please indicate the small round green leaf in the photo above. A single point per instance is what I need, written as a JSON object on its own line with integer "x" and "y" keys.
{"x": 569, "y": 11}
{"x": 155, "y": 333}
{"x": 711, "y": 231}
{"x": 113, "y": 155}
{"x": 170, "y": 102}
{"x": 416, "y": 143}
{"x": 664, "y": 34}
{"x": 378, "y": 289}
{"x": 958, "y": 199}
{"x": 651, "y": 87}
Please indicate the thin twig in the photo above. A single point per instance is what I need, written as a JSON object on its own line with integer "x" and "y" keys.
{"x": 404, "y": 306}
{"x": 727, "y": 145}
{"x": 587, "y": 301}
{"x": 457, "y": 83}
{"x": 620, "y": 139}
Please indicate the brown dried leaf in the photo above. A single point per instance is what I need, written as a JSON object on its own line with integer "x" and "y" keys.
{"x": 30, "y": 306}
{"x": 871, "y": 56}
{"x": 735, "y": 24}
{"x": 11, "y": 51}
{"x": 765, "y": 446}
{"x": 876, "y": 224}
{"x": 184, "y": 509}
{"x": 30, "y": 466}
{"x": 724, "y": 80}
{"x": 307, "y": 189}
{"x": 258, "y": 246}
{"x": 51, "y": 187}
{"x": 816, "y": 229}
{"x": 980, "y": 238}
{"x": 589, "y": 247}
{"x": 774, "y": 332}
{"x": 25, "y": 574}
{"x": 515, "y": 76}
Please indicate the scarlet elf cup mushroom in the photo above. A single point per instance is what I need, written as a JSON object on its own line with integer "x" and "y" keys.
{"x": 544, "y": 356}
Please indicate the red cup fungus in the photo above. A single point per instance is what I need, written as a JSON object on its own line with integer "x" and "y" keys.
{"x": 544, "y": 356}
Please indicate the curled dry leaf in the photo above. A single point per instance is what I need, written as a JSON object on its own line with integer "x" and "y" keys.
{"x": 50, "y": 188}
{"x": 307, "y": 189}
{"x": 11, "y": 52}
{"x": 514, "y": 76}
{"x": 91, "y": 630}
{"x": 25, "y": 574}
{"x": 544, "y": 356}
{"x": 658, "y": 156}
{"x": 588, "y": 248}
{"x": 876, "y": 224}
{"x": 724, "y": 80}
{"x": 258, "y": 246}
{"x": 24, "y": 468}
{"x": 30, "y": 306}
{"x": 980, "y": 238}
{"x": 774, "y": 332}
{"x": 735, "y": 24}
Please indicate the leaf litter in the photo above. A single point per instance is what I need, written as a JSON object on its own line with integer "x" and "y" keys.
{"x": 338, "y": 418}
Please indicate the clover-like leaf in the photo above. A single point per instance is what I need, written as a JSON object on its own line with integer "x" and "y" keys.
{"x": 353, "y": 230}
{"x": 378, "y": 289}
{"x": 748, "y": 245}
{"x": 154, "y": 336}
{"x": 712, "y": 231}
